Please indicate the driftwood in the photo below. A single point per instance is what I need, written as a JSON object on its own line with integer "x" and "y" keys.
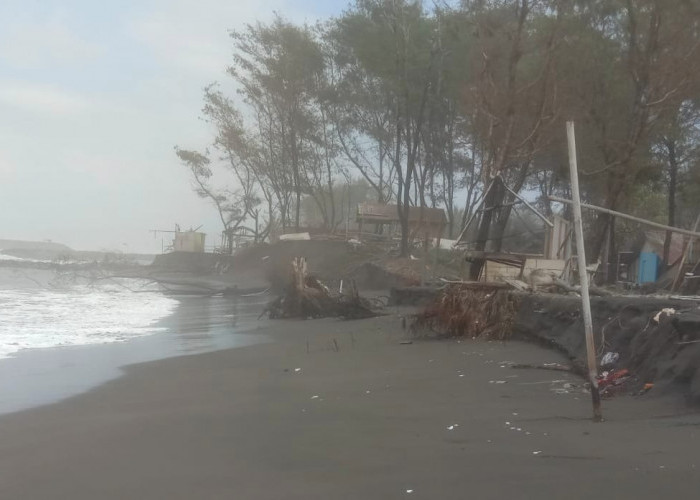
{"x": 306, "y": 297}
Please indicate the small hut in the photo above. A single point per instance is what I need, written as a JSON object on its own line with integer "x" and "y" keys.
{"x": 188, "y": 241}
{"x": 424, "y": 222}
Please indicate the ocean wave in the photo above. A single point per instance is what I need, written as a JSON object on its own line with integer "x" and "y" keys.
{"x": 79, "y": 315}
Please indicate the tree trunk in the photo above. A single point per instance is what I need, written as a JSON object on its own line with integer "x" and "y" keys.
{"x": 616, "y": 184}
{"x": 295, "y": 170}
{"x": 403, "y": 195}
{"x": 672, "y": 186}
{"x": 493, "y": 197}
{"x": 504, "y": 213}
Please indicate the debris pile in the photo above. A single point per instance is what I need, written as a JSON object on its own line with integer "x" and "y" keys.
{"x": 465, "y": 310}
{"x": 612, "y": 382}
{"x": 306, "y": 297}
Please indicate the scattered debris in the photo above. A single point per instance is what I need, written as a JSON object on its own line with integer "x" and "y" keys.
{"x": 647, "y": 387}
{"x": 609, "y": 359}
{"x": 295, "y": 237}
{"x": 613, "y": 382}
{"x": 666, "y": 311}
{"x": 613, "y": 377}
{"x": 545, "y": 366}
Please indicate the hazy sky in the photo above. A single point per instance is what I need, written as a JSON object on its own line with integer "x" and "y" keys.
{"x": 93, "y": 97}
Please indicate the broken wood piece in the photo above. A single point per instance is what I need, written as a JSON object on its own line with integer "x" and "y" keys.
{"x": 546, "y": 366}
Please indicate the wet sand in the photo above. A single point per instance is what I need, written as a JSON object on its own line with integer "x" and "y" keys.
{"x": 39, "y": 376}
{"x": 363, "y": 417}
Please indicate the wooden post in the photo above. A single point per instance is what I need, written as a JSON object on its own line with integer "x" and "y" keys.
{"x": 585, "y": 299}
{"x": 678, "y": 281}
{"x": 606, "y": 251}
{"x": 426, "y": 249}
{"x": 437, "y": 253}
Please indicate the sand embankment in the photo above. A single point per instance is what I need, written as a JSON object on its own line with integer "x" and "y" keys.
{"x": 657, "y": 347}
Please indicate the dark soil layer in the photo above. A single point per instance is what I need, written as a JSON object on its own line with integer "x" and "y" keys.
{"x": 662, "y": 353}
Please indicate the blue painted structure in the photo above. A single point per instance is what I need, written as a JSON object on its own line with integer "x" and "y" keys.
{"x": 648, "y": 267}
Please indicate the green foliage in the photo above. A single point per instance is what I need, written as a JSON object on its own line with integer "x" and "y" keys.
{"x": 427, "y": 103}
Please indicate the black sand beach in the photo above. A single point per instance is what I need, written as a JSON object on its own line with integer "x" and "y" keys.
{"x": 334, "y": 409}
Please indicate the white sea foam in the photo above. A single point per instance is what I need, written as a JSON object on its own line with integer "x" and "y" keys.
{"x": 10, "y": 257}
{"x": 79, "y": 315}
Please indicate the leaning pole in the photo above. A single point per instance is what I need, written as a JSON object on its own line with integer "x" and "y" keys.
{"x": 583, "y": 277}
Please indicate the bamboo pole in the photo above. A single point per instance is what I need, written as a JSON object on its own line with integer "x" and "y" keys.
{"x": 536, "y": 212}
{"x": 679, "y": 275}
{"x": 629, "y": 217}
{"x": 585, "y": 298}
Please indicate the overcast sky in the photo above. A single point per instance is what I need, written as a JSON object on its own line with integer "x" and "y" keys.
{"x": 93, "y": 97}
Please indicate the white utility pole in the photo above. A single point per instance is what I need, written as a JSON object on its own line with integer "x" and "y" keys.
{"x": 583, "y": 275}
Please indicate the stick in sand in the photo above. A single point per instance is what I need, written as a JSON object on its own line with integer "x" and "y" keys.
{"x": 580, "y": 251}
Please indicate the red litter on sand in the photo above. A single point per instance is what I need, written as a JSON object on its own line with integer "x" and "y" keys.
{"x": 613, "y": 377}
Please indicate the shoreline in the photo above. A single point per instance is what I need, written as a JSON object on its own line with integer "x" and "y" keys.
{"x": 364, "y": 417}
{"x": 42, "y": 376}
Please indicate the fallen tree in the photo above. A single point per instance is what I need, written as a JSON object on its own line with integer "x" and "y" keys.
{"x": 306, "y": 297}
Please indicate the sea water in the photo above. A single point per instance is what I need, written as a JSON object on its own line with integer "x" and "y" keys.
{"x": 80, "y": 314}
{"x": 61, "y": 337}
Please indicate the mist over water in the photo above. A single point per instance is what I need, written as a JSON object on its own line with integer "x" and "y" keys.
{"x": 79, "y": 315}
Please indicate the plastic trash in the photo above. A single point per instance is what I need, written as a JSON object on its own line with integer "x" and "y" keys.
{"x": 647, "y": 387}
{"x": 613, "y": 377}
{"x": 668, "y": 311}
{"x": 609, "y": 358}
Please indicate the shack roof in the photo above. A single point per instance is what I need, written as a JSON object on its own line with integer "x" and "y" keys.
{"x": 654, "y": 241}
{"x": 388, "y": 213}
